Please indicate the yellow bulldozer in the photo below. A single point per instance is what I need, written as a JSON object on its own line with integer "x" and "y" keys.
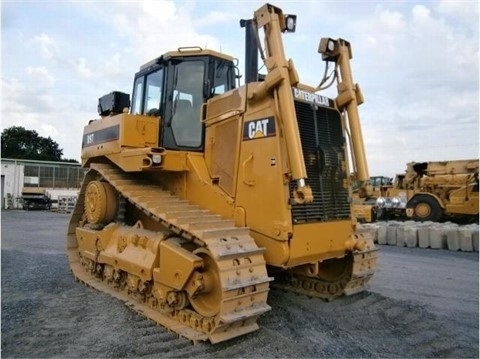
{"x": 201, "y": 192}
{"x": 433, "y": 191}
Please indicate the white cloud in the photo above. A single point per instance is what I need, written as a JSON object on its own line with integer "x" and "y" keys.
{"x": 49, "y": 129}
{"x": 43, "y": 103}
{"x": 19, "y": 99}
{"x": 160, "y": 9}
{"x": 466, "y": 10}
{"x": 113, "y": 66}
{"x": 421, "y": 12}
{"x": 392, "y": 20}
{"x": 46, "y": 45}
{"x": 155, "y": 27}
{"x": 216, "y": 17}
{"x": 41, "y": 76}
{"x": 81, "y": 68}
{"x": 26, "y": 107}
{"x": 12, "y": 97}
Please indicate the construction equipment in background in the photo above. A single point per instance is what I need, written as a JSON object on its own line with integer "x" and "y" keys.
{"x": 35, "y": 198}
{"x": 433, "y": 191}
{"x": 364, "y": 197}
{"x": 202, "y": 186}
{"x": 371, "y": 188}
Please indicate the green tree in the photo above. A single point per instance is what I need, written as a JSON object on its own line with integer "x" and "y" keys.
{"x": 19, "y": 143}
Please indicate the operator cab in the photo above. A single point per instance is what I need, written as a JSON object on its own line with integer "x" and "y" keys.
{"x": 174, "y": 87}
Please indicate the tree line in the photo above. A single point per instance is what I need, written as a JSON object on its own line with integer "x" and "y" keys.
{"x": 20, "y": 143}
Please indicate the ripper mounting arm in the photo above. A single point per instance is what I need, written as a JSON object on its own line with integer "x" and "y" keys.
{"x": 280, "y": 78}
{"x": 349, "y": 97}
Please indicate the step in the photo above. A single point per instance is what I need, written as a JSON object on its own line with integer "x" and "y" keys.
{"x": 193, "y": 219}
{"x": 210, "y": 225}
{"x": 249, "y": 312}
{"x": 193, "y": 213}
{"x": 224, "y": 232}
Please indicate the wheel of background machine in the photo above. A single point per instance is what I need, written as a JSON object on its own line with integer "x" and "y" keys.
{"x": 100, "y": 202}
{"x": 209, "y": 301}
{"x": 425, "y": 208}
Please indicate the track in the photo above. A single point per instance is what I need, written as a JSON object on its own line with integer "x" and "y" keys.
{"x": 240, "y": 263}
{"x": 356, "y": 269}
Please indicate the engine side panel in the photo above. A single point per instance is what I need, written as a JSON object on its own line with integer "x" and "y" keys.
{"x": 109, "y": 135}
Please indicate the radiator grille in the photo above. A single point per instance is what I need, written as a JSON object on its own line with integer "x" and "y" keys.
{"x": 323, "y": 149}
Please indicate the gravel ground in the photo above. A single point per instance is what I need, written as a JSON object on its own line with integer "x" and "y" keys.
{"x": 420, "y": 303}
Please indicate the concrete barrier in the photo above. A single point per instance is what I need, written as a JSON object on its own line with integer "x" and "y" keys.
{"x": 438, "y": 237}
{"x": 465, "y": 239}
{"x": 425, "y": 235}
{"x": 392, "y": 232}
{"x": 401, "y": 236}
{"x": 382, "y": 233}
{"x": 410, "y": 234}
{"x": 453, "y": 239}
{"x": 475, "y": 238}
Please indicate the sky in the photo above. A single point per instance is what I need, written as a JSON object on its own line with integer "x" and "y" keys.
{"x": 417, "y": 63}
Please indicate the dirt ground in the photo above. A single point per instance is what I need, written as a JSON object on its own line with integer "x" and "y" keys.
{"x": 420, "y": 303}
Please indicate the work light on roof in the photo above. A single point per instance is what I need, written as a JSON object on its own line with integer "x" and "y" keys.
{"x": 330, "y": 45}
{"x": 290, "y": 23}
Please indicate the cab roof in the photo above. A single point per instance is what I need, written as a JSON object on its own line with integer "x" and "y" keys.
{"x": 185, "y": 52}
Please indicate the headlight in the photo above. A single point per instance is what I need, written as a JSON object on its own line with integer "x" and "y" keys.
{"x": 381, "y": 202}
{"x": 330, "y": 45}
{"x": 157, "y": 159}
{"x": 290, "y": 23}
{"x": 396, "y": 201}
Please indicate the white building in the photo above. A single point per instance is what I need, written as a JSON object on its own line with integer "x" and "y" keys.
{"x": 60, "y": 179}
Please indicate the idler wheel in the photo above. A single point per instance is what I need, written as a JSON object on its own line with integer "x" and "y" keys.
{"x": 208, "y": 301}
{"x": 100, "y": 202}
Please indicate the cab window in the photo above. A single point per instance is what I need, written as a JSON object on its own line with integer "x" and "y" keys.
{"x": 138, "y": 96}
{"x": 153, "y": 93}
{"x": 222, "y": 78}
{"x": 147, "y": 93}
{"x": 187, "y": 103}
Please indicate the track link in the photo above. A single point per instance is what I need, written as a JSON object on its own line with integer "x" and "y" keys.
{"x": 241, "y": 266}
{"x": 360, "y": 267}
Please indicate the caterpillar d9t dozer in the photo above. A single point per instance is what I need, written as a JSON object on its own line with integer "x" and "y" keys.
{"x": 201, "y": 186}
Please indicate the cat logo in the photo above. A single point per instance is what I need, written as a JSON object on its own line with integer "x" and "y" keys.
{"x": 260, "y": 128}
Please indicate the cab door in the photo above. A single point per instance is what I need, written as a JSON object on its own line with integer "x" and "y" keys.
{"x": 182, "y": 128}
